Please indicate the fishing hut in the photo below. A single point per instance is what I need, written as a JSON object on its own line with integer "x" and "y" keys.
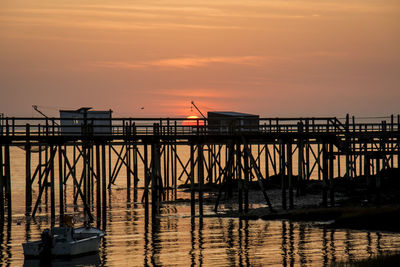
{"x": 76, "y": 121}
{"x": 230, "y": 122}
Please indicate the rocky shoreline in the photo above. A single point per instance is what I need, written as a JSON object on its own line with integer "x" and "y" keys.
{"x": 359, "y": 203}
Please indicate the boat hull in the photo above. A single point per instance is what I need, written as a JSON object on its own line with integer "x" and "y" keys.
{"x": 85, "y": 241}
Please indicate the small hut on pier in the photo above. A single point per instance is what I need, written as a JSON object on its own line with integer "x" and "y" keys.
{"x": 232, "y": 122}
{"x": 85, "y": 120}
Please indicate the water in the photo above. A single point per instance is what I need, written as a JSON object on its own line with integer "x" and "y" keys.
{"x": 174, "y": 238}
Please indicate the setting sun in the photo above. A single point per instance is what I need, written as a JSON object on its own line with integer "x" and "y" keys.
{"x": 193, "y": 121}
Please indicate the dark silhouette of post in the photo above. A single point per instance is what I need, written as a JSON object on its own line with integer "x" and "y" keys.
{"x": 200, "y": 176}
{"x": 239, "y": 177}
{"x": 7, "y": 174}
{"x": 52, "y": 187}
{"x": 103, "y": 185}
{"x": 282, "y": 164}
{"x": 28, "y": 175}
{"x": 331, "y": 175}
{"x": 60, "y": 184}
{"x": 324, "y": 174}
{"x": 192, "y": 194}
{"x": 98, "y": 185}
{"x": 289, "y": 173}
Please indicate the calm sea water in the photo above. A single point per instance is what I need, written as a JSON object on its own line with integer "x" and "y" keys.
{"x": 174, "y": 238}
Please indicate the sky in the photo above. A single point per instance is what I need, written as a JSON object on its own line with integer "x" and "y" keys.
{"x": 152, "y": 58}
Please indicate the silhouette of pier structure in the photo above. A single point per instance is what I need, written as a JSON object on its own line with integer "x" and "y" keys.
{"x": 156, "y": 155}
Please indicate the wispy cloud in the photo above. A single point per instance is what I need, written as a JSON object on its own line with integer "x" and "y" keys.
{"x": 193, "y": 93}
{"x": 180, "y": 62}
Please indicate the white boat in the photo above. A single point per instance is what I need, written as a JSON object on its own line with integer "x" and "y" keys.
{"x": 65, "y": 242}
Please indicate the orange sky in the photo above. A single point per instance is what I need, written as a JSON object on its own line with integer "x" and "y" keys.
{"x": 268, "y": 57}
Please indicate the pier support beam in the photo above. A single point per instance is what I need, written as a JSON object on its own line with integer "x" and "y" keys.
{"x": 28, "y": 175}
{"x": 192, "y": 195}
{"x": 200, "y": 176}
{"x": 60, "y": 183}
{"x": 289, "y": 173}
{"x": 2, "y": 184}
{"x": 331, "y": 176}
{"x": 300, "y": 159}
{"x": 324, "y": 175}
{"x": 98, "y": 186}
{"x": 282, "y": 163}
{"x": 103, "y": 184}
{"x": 239, "y": 177}
{"x": 246, "y": 179}
{"x": 7, "y": 176}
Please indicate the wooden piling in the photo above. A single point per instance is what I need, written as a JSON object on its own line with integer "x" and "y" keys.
{"x": 65, "y": 179}
{"x": 8, "y": 180}
{"x": 92, "y": 174}
{"x": 367, "y": 174}
{"x": 110, "y": 176}
{"x": 275, "y": 160}
{"x": 307, "y": 147}
{"x": 230, "y": 166}
{"x": 266, "y": 160}
{"x": 210, "y": 164}
{"x": 200, "y": 176}
{"x": 89, "y": 175}
{"x": 300, "y": 161}
{"x": 74, "y": 172}
{"x": 135, "y": 172}
{"x": 347, "y": 140}
{"x": 28, "y": 175}
{"x": 331, "y": 176}
{"x": 239, "y": 177}
{"x": 172, "y": 170}
{"x": 192, "y": 194}
{"x": 175, "y": 173}
{"x": 52, "y": 188}
{"x": 2, "y": 182}
{"x": 324, "y": 175}
{"x": 319, "y": 171}
{"x": 103, "y": 184}
{"x": 398, "y": 142}
{"x": 128, "y": 172}
{"x": 289, "y": 173}
{"x": 85, "y": 173}
{"x": 378, "y": 181}
{"x": 166, "y": 167}
{"x": 146, "y": 180}
{"x": 246, "y": 180}
{"x": 391, "y": 140}
{"x": 155, "y": 171}
{"x": 282, "y": 161}
{"x": 60, "y": 184}
{"x": 7, "y": 174}
{"x": 98, "y": 185}
{"x": 338, "y": 164}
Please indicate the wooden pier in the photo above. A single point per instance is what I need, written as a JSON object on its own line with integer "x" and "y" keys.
{"x": 158, "y": 154}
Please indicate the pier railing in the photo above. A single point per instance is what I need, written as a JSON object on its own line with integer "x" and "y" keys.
{"x": 119, "y": 127}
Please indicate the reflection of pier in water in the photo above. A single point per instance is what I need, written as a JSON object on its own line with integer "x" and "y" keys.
{"x": 160, "y": 154}
{"x": 299, "y": 243}
{"x": 173, "y": 234}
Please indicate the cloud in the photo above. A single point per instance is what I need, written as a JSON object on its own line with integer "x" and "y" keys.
{"x": 180, "y": 62}
{"x": 194, "y": 93}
